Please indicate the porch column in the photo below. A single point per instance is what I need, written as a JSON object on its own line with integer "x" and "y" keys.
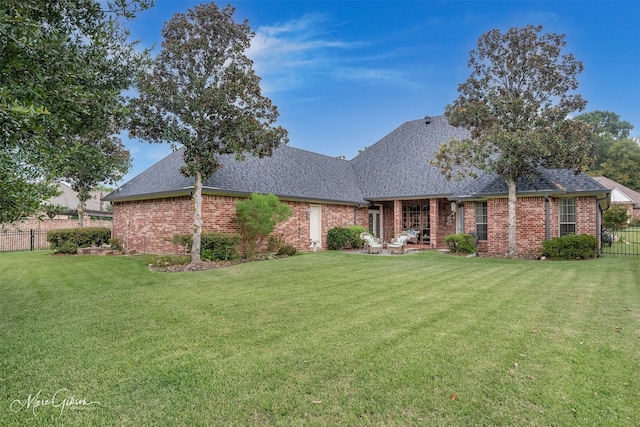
{"x": 434, "y": 220}
{"x": 397, "y": 218}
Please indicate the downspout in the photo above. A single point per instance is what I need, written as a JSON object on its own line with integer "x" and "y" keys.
{"x": 355, "y": 215}
{"x": 547, "y": 233}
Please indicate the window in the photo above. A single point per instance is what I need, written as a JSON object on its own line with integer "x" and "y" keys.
{"x": 481, "y": 220}
{"x": 567, "y": 216}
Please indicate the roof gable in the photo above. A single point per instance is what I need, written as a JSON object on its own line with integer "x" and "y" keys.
{"x": 627, "y": 192}
{"x": 289, "y": 173}
{"x": 398, "y": 166}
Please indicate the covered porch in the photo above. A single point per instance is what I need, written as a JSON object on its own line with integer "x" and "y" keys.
{"x": 430, "y": 220}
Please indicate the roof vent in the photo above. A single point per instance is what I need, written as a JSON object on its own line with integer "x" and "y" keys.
{"x": 427, "y": 120}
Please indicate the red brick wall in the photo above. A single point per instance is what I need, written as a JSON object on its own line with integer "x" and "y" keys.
{"x": 146, "y": 225}
{"x": 530, "y": 222}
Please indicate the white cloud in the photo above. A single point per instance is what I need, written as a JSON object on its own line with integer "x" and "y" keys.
{"x": 301, "y": 52}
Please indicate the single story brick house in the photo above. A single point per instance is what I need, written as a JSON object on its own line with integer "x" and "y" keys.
{"x": 622, "y": 195}
{"x": 387, "y": 188}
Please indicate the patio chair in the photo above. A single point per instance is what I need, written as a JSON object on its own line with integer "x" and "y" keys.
{"x": 398, "y": 244}
{"x": 372, "y": 245}
{"x": 413, "y": 236}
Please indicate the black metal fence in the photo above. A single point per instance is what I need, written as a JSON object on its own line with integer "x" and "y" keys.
{"x": 23, "y": 240}
{"x": 621, "y": 242}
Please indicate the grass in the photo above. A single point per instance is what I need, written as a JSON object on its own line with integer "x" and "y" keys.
{"x": 320, "y": 339}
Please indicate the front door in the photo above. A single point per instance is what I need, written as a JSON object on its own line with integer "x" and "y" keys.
{"x": 315, "y": 226}
{"x": 375, "y": 222}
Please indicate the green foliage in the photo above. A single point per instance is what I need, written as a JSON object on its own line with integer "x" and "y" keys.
{"x": 461, "y": 243}
{"x": 257, "y": 217}
{"x": 116, "y": 243}
{"x": 615, "y": 217}
{"x": 274, "y": 243}
{"x": 91, "y": 161}
{"x": 168, "y": 260}
{"x": 64, "y": 66}
{"x": 219, "y": 246}
{"x": 202, "y": 94}
{"x": 69, "y": 240}
{"x": 287, "y": 250}
{"x": 354, "y": 235}
{"x": 52, "y": 210}
{"x": 622, "y": 163}
{"x": 213, "y": 246}
{"x": 338, "y": 238}
{"x": 516, "y": 105}
{"x": 607, "y": 129}
{"x": 184, "y": 240}
{"x": 570, "y": 247}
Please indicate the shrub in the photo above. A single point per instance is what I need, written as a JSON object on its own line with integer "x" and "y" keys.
{"x": 167, "y": 260}
{"x": 338, "y": 237}
{"x": 274, "y": 243}
{"x": 615, "y": 217}
{"x": 184, "y": 240}
{"x": 69, "y": 240}
{"x": 354, "y": 238}
{"x": 567, "y": 247}
{"x": 116, "y": 243}
{"x": 219, "y": 246}
{"x": 461, "y": 243}
{"x": 213, "y": 246}
{"x": 257, "y": 217}
{"x": 287, "y": 250}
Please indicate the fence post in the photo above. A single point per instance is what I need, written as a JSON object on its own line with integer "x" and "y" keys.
{"x": 33, "y": 238}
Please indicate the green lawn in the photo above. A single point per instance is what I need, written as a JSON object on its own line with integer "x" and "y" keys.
{"x": 321, "y": 339}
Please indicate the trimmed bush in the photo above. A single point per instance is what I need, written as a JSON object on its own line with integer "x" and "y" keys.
{"x": 213, "y": 246}
{"x": 69, "y": 240}
{"x": 461, "y": 243}
{"x": 337, "y": 238}
{"x": 219, "y": 246}
{"x": 354, "y": 232}
{"x": 287, "y": 250}
{"x": 570, "y": 246}
{"x": 340, "y": 237}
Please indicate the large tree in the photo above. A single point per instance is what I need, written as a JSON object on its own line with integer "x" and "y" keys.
{"x": 622, "y": 163}
{"x": 203, "y": 94}
{"x": 94, "y": 160}
{"x": 516, "y": 104}
{"x": 63, "y": 67}
{"x": 607, "y": 129}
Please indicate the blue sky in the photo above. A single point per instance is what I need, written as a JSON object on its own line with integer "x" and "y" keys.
{"x": 344, "y": 74}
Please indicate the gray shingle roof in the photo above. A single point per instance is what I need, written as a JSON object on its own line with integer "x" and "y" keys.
{"x": 549, "y": 181}
{"x": 396, "y": 167}
{"x": 290, "y": 173}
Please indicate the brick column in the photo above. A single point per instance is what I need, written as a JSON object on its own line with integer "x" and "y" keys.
{"x": 434, "y": 218}
{"x": 397, "y": 218}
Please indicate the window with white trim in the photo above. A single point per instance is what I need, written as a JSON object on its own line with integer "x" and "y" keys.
{"x": 567, "y": 216}
{"x": 482, "y": 220}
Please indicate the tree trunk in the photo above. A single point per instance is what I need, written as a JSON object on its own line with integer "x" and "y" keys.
{"x": 511, "y": 245}
{"x": 197, "y": 221}
{"x": 81, "y": 214}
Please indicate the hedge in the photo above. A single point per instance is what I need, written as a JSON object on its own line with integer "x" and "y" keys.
{"x": 213, "y": 246}
{"x": 69, "y": 240}
{"x": 570, "y": 246}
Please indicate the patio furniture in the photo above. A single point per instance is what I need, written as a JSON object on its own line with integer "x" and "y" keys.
{"x": 398, "y": 244}
{"x": 413, "y": 235}
{"x": 371, "y": 244}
